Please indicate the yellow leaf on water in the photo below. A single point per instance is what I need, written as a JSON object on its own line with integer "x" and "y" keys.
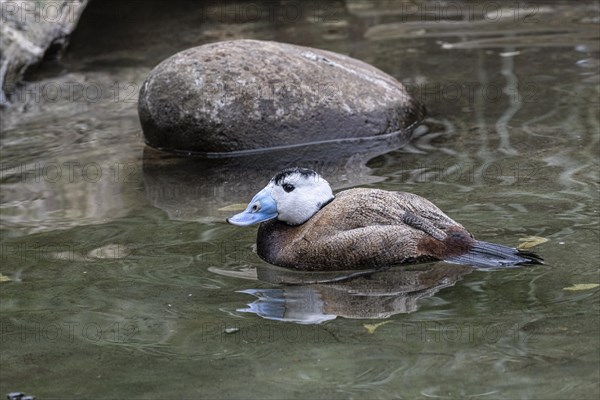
{"x": 4, "y": 278}
{"x": 530, "y": 241}
{"x": 234, "y": 207}
{"x": 372, "y": 327}
{"x": 582, "y": 286}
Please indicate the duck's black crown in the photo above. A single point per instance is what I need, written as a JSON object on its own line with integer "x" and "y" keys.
{"x": 304, "y": 172}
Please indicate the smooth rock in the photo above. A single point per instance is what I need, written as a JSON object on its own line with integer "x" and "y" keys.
{"x": 246, "y": 95}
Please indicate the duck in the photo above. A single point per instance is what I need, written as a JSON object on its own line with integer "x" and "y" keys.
{"x": 304, "y": 226}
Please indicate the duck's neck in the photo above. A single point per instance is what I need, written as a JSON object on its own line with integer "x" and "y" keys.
{"x": 272, "y": 238}
{"x": 327, "y": 202}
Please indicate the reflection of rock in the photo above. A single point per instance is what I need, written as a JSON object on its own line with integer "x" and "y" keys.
{"x": 247, "y": 94}
{"x": 189, "y": 188}
{"x": 377, "y": 295}
{"x": 65, "y": 191}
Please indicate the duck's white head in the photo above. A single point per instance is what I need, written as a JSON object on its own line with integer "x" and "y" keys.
{"x": 292, "y": 196}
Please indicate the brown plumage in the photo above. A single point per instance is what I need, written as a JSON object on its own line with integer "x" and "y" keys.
{"x": 365, "y": 228}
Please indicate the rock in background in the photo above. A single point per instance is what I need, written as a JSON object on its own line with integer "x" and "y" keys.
{"x": 244, "y": 95}
{"x": 30, "y": 30}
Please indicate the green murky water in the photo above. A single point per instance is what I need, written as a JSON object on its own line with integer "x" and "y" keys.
{"x": 125, "y": 282}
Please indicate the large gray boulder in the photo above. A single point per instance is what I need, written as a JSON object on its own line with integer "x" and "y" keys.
{"x": 247, "y": 95}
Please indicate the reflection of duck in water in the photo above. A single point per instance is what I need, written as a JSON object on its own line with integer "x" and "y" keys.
{"x": 378, "y": 296}
{"x": 308, "y": 228}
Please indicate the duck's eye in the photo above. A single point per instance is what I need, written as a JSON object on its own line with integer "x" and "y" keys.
{"x": 255, "y": 207}
{"x": 288, "y": 187}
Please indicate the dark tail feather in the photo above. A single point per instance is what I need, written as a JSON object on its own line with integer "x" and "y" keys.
{"x": 486, "y": 255}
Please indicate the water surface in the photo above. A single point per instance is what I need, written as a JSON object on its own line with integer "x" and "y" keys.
{"x": 125, "y": 281}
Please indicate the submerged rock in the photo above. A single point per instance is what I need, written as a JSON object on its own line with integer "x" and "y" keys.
{"x": 205, "y": 188}
{"x": 248, "y": 95}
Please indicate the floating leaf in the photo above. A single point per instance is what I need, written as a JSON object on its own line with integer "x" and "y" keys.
{"x": 530, "y": 241}
{"x": 234, "y": 207}
{"x": 4, "y": 278}
{"x": 372, "y": 327}
{"x": 509, "y": 53}
{"x": 582, "y": 286}
{"x": 110, "y": 251}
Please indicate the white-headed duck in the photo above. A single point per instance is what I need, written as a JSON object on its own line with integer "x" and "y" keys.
{"x": 304, "y": 226}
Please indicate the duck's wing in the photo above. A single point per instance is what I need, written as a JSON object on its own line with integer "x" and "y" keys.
{"x": 423, "y": 224}
{"x": 364, "y": 207}
{"x": 376, "y": 246}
